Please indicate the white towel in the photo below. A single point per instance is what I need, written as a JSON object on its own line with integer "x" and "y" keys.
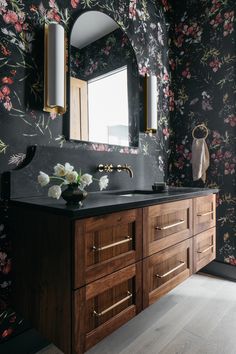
{"x": 200, "y": 159}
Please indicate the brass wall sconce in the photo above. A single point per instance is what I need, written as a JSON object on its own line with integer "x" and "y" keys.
{"x": 150, "y": 92}
{"x": 54, "y": 69}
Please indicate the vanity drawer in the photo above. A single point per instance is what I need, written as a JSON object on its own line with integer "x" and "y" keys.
{"x": 106, "y": 244}
{"x": 204, "y": 249}
{"x": 106, "y": 304}
{"x": 164, "y": 270}
{"x": 204, "y": 212}
{"x": 165, "y": 225}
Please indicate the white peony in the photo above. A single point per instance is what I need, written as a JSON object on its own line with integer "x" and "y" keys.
{"x": 43, "y": 179}
{"x": 103, "y": 182}
{"x": 61, "y": 170}
{"x": 54, "y": 192}
{"x": 71, "y": 177}
{"x": 86, "y": 180}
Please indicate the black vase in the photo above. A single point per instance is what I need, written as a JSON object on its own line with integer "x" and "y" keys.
{"x": 73, "y": 195}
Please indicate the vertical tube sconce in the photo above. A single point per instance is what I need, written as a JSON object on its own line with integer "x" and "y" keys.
{"x": 151, "y": 104}
{"x": 54, "y": 69}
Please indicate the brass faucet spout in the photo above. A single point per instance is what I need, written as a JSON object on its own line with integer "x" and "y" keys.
{"x": 125, "y": 168}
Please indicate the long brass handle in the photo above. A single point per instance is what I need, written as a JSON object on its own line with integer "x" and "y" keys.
{"x": 207, "y": 213}
{"x": 127, "y": 239}
{"x": 206, "y": 249}
{"x": 181, "y": 221}
{"x": 99, "y": 314}
{"x": 170, "y": 271}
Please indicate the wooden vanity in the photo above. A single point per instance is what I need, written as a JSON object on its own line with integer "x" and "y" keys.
{"x": 79, "y": 279}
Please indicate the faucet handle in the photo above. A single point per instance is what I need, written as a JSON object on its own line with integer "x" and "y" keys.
{"x": 106, "y": 168}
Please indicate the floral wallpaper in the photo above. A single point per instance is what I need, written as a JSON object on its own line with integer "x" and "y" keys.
{"x": 23, "y": 122}
{"x": 202, "y": 64}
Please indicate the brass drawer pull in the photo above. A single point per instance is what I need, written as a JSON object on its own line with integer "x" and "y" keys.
{"x": 99, "y": 314}
{"x": 170, "y": 271}
{"x": 181, "y": 221}
{"x": 127, "y": 239}
{"x": 206, "y": 249}
{"x": 207, "y": 213}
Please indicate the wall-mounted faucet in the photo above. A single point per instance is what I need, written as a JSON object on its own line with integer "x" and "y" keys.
{"x": 110, "y": 168}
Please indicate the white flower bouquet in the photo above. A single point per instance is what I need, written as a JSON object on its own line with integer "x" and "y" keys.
{"x": 65, "y": 175}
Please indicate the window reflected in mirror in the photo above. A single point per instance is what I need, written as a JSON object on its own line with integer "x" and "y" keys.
{"x": 106, "y": 124}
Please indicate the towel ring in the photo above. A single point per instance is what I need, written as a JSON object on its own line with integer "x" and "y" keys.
{"x": 203, "y": 127}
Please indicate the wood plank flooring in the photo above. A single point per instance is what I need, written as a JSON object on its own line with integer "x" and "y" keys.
{"x": 197, "y": 317}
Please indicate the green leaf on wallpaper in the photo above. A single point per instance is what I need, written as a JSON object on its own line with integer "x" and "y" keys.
{"x": 3, "y": 147}
{"x": 89, "y": 3}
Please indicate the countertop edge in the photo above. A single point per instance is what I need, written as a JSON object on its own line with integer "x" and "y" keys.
{"x": 80, "y": 213}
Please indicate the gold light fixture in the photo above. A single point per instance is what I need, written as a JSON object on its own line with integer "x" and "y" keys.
{"x": 54, "y": 69}
{"x": 150, "y": 104}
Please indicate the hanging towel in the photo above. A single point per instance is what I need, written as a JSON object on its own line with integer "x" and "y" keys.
{"x": 200, "y": 159}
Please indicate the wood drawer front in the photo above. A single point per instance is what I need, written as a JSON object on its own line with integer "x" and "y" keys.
{"x": 106, "y": 244}
{"x": 106, "y": 304}
{"x": 204, "y": 213}
{"x": 204, "y": 248}
{"x": 164, "y": 270}
{"x": 165, "y": 225}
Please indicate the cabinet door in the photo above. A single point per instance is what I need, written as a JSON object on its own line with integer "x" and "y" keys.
{"x": 164, "y": 270}
{"x": 204, "y": 213}
{"x": 165, "y": 225}
{"x": 106, "y": 304}
{"x": 105, "y": 244}
{"x": 204, "y": 249}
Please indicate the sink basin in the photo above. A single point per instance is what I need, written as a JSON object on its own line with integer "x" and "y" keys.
{"x": 139, "y": 192}
{"x": 132, "y": 193}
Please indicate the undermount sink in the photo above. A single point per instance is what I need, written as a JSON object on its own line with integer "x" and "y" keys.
{"x": 132, "y": 193}
{"x": 138, "y": 192}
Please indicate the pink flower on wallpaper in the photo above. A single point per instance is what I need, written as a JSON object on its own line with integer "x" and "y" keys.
{"x": 215, "y": 64}
{"x": 5, "y": 90}
{"x": 7, "y": 80}
{"x": 172, "y": 64}
{"x": 132, "y": 9}
{"x": 165, "y": 4}
{"x": 10, "y": 17}
{"x": 106, "y": 50}
{"x": 186, "y": 73}
{"x": 228, "y": 24}
{"x": 7, "y": 104}
{"x": 74, "y": 3}
{"x": 53, "y": 15}
{"x": 231, "y": 120}
{"x": 217, "y": 21}
{"x": 229, "y": 168}
{"x": 143, "y": 70}
{"x": 6, "y": 52}
{"x": 166, "y": 132}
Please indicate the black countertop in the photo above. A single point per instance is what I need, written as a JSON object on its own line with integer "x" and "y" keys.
{"x": 98, "y": 203}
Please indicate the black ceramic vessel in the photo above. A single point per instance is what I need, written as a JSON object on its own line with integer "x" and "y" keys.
{"x": 73, "y": 195}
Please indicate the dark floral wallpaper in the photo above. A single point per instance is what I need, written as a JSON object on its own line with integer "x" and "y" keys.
{"x": 202, "y": 62}
{"x": 23, "y": 122}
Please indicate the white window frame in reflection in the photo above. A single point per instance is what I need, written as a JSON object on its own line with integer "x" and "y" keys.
{"x": 110, "y": 126}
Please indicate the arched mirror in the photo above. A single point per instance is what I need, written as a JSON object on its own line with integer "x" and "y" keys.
{"x": 104, "y": 82}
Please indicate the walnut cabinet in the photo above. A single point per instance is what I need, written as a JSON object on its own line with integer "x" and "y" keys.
{"x": 79, "y": 280}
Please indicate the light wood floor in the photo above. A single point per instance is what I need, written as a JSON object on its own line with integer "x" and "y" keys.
{"x": 199, "y": 316}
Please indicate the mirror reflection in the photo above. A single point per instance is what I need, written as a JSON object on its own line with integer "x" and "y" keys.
{"x": 104, "y": 82}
